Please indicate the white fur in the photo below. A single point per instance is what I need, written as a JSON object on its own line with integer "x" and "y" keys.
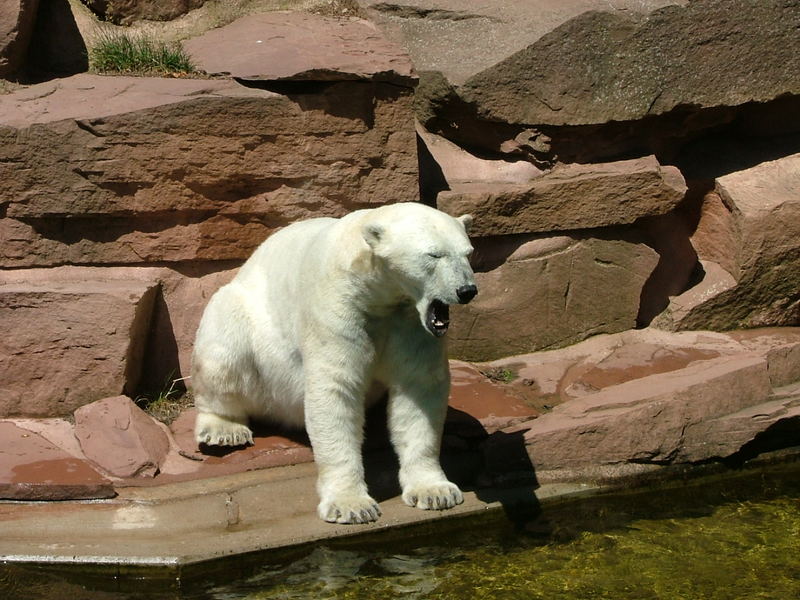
{"x": 325, "y": 316}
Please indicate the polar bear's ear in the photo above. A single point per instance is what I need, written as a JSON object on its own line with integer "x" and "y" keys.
{"x": 466, "y": 221}
{"x": 372, "y": 233}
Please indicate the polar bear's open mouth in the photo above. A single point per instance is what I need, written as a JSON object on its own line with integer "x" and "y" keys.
{"x": 437, "y": 319}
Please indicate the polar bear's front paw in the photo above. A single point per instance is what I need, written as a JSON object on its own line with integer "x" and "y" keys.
{"x": 435, "y": 496}
{"x": 349, "y": 508}
{"x": 214, "y": 430}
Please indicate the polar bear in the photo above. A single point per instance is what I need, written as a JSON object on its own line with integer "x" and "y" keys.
{"x": 326, "y": 317}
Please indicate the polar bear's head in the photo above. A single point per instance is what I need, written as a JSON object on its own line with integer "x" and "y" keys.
{"x": 423, "y": 256}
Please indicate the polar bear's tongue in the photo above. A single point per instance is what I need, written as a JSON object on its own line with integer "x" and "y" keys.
{"x": 438, "y": 318}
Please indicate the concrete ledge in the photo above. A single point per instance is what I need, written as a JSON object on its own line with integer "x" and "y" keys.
{"x": 192, "y": 522}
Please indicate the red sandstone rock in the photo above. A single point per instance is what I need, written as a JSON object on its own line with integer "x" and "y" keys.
{"x": 180, "y": 170}
{"x": 459, "y": 166}
{"x": 475, "y": 400}
{"x": 32, "y": 468}
{"x": 17, "y": 18}
{"x": 651, "y": 398}
{"x": 301, "y": 46}
{"x": 73, "y": 341}
{"x": 569, "y": 197}
{"x": 272, "y": 447}
{"x": 461, "y": 39}
{"x": 121, "y": 438}
{"x": 539, "y": 292}
{"x": 759, "y": 232}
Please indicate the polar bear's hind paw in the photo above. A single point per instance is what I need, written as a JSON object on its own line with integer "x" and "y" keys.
{"x": 213, "y": 430}
{"x": 349, "y": 509}
{"x": 437, "y": 496}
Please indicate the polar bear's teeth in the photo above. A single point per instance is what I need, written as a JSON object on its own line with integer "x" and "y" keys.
{"x": 438, "y": 318}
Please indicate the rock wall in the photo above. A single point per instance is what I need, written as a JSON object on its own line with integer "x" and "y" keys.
{"x": 130, "y": 200}
{"x": 619, "y": 176}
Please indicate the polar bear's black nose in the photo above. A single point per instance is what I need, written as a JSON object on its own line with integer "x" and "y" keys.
{"x": 466, "y": 293}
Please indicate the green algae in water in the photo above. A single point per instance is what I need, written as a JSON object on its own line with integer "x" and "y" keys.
{"x": 738, "y": 549}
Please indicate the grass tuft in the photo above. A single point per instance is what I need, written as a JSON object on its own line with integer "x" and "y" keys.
{"x": 119, "y": 52}
{"x": 167, "y": 403}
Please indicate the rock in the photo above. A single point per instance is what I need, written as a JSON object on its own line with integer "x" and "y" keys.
{"x": 569, "y": 197}
{"x": 296, "y": 46}
{"x": 757, "y": 236}
{"x": 17, "y": 18}
{"x": 176, "y": 310}
{"x": 479, "y": 406}
{"x": 539, "y": 291}
{"x": 173, "y": 170}
{"x": 184, "y": 295}
{"x": 714, "y": 237}
{"x": 73, "y": 341}
{"x": 32, "y": 468}
{"x": 621, "y": 66}
{"x": 444, "y": 165}
{"x": 781, "y": 346}
{"x": 645, "y": 420}
{"x": 125, "y": 12}
{"x": 121, "y": 438}
{"x": 729, "y": 434}
{"x": 603, "y": 361}
{"x": 462, "y": 40}
{"x": 272, "y": 447}
{"x": 656, "y": 398}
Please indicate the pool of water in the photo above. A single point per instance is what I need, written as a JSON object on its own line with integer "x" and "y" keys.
{"x": 730, "y": 537}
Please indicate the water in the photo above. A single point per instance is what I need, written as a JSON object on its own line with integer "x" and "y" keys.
{"x": 724, "y": 539}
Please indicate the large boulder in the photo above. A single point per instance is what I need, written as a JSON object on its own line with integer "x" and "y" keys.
{"x": 620, "y": 66}
{"x": 636, "y": 401}
{"x": 548, "y": 291}
{"x": 17, "y": 18}
{"x": 120, "y": 438}
{"x": 612, "y": 83}
{"x": 73, "y": 340}
{"x": 567, "y": 198}
{"x": 297, "y": 46}
{"x": 461, "y": 40}
{"x": 102, "y": 170}
{"x": 748, "y": 239}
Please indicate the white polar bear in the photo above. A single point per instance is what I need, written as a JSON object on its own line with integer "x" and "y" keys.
{"x": 323, "y": 319}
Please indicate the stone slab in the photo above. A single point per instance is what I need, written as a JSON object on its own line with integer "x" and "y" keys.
{"x": 754, "y": 219}
{"x": 300, "y": 46}
{"x": 163, "y": 170}
{"x": 548, "y": 291}
{"x": 606, "y": 66}
{"x": 461, "y": 39}
{"x": 74, "y": 342}
{"x": 569, "y": 197}
{"x": 32, "y": 468}
{"x": 120, "y": 438}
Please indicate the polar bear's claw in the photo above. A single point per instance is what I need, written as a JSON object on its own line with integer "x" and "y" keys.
{"x": 438, "y": 496}
{"x": 213, "y": 430}
{"x": 350, "y": 509}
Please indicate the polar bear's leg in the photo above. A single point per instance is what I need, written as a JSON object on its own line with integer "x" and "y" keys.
{"x": 417, "y": 408}
{"x": 334, "y": 413}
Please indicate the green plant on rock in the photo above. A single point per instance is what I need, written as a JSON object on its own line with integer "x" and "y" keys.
{"x": 120, "y": 52}
{"x": 168, "y": 402}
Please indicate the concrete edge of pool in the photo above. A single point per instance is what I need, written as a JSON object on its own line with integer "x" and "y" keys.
{"x": 190, "y": 524}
